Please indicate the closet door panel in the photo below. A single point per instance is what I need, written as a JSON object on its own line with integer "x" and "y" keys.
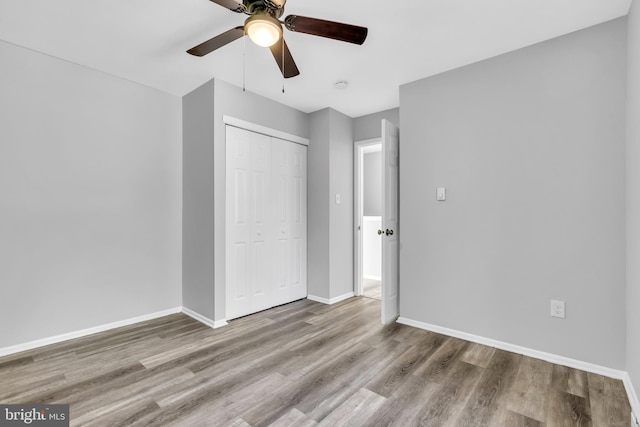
{"x": 238, "y": 223}
{"x": 261, "y": 220}
{"x": 242, "y": 289}
{"x": 281, "y": 154}
{"x": 298, "y": 223}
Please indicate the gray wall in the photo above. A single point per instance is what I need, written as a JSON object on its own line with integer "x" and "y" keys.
{"x": 318, "y": 204}
{"x": 633, "y": 197}
{"x": 372, "y": 184}
{"x": 530, "y": 146}
{"x": 341, "y": 215}
{"x": 197, "y": 200}
{"x": 330, "y": 225}
{"x": 90, "y": 216}
{"x": 369, "y": 126}
{"x": 232, "y": 101}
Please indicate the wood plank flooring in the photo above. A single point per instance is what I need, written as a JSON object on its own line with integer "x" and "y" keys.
{"x": 304, "y": 364}
{"x": 372, "y": 288}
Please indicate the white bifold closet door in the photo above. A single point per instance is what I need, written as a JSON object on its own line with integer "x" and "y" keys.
{"x": 266, "y": 222}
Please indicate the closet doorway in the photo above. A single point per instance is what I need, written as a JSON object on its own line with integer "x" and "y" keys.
{"x": 266, "y": 221}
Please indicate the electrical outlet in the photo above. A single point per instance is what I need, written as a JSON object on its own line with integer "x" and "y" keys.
{"x": 557, "y": 309}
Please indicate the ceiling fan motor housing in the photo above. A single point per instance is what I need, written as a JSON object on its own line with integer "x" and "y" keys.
{"x": 272, "y": 7}
{"x": 275, "y": 4}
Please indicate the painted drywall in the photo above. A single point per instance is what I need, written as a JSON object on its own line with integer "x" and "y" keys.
{"x": 90, "y": 213}
{"x": 633, "y": 196}
{"x": 372, "y": 184}
{"x": 369, "y": 126}
{"x": 330, "y": 226}
{"x": 530, "y": 147}
{"x": 340, "y": 214}
{"x": 197, "y": 200}
{"x": 232, "y": 101}
{"x": 318, "y": 203}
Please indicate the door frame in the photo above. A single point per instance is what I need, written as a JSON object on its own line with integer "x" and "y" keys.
{"x": 359, "y": 149}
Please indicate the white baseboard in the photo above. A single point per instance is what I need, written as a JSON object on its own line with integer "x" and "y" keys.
{"x": 84, "y": 332}
{"x": 318, "y": 299}
{"x": 220, "y": 323}
{"x": 332, "y": 300}
{"x": 197, "y": 316}
{"x": 202, "y": 319}
{"x": 370, "y": 277}
{"x": 633, "y": 400}
{"x": 549, "y": 357}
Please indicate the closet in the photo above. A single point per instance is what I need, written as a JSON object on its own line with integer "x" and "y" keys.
{"x": 266, "y": 222}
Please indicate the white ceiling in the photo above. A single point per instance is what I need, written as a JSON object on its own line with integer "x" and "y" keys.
{"x": 145, "y": 41}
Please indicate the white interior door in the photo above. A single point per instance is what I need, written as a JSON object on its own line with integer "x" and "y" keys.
{"x": 238, "y": 223}
{"x": 262, "y": 280}
{"x": 249, "y": 262}
{"x": 281, "y": 152}
{"x": 390, "y": 247}
{"x": 289, "y": 182}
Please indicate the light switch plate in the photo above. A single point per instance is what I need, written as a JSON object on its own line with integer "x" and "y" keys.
{"x": 441, "y": 194}
{"x": 337, "y": 198}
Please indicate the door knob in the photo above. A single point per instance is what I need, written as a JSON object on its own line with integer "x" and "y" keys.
{"x": 389, "y": 232}
{"x": 380, "y": 232}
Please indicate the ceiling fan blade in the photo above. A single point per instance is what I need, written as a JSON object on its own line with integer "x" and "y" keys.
{"x": 290, "y": 67}
{"x": 217, "y": 42}
{"x": 329, "y": 29}
{"x": 231, "y": 5}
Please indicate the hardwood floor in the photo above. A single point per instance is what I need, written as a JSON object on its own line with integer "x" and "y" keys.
{"x": 372, "y": 288}
{"x": 304, "y": 364}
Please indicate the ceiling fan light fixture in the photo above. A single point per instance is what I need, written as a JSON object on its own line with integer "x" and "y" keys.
{"x": 263, "y": 29}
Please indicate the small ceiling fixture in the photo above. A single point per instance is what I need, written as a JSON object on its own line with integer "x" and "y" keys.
{"x": 341, "y": 85}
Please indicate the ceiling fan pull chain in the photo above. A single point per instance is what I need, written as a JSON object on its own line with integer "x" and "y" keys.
{"x": 282, "y": 38}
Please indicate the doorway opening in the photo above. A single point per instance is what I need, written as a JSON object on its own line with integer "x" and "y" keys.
{"x": 387, "y": 233}
{"x": 369, "y": 217}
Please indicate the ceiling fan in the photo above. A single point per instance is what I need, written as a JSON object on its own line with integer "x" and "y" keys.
{"x": 265, "y": 29}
